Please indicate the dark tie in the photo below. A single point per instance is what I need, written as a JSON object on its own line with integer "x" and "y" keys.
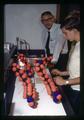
{"x": 47, "y": 44}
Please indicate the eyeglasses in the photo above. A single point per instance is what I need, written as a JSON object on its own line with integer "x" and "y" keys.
{"x": 48, "y": 19}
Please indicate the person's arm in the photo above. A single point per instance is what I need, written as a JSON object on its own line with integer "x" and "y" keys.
{"x": 60, "y": 81}
{"x": 58, "y": 46}
{"x": 64, "y": 73}
{"x": 60, "y": 73}
{"x": 74, "y": 81}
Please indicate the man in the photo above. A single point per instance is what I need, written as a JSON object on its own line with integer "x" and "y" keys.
{"x": 53, "y": 40}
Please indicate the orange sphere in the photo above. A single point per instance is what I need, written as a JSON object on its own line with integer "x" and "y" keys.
{"x": 18, "y": 67}
{"x": 34, "y": 96}
{"x": 42, "y": 78}
{"x": 35, "y": 60}
{"x": 45, "y": 82}
{"x": 14, "y": 69}
{"x": 49, "y": 80}
{"x": 37, "y": 64}
{"x": 42, "y": 66}
{"x": 44, "y": 71}
{"x": 24, "y": 84}
{"x": 40, "y": 74}
{"x": 28, "y": 80}
{"x": 37, "y": 69}
{"x": 53, "y": 88}
{"x": 21, "y": 54}
{"x": 48, "y": 59}
{"x": 24, "y": 75}
{"x": 59, "y": 97}
{"x": 28, "y": 66}
{"x": 46, "y": 76}
{"x": 52, "y": 83}
{"x": 44, "y": 58}
{"x": 51, "y": 57}
{"x": 21, "y": 71}
{"x": 44, "y": 62}
{"x": 17, "y": 74}
{"x": 31, "y": 104}
{"x": 14, "y": 64}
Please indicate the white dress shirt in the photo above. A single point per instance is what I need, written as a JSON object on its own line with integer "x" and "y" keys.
{"x": 74, "y": 65}
{"x": 57, "y": 42}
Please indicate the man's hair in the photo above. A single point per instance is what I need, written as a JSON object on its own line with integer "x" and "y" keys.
{"x": 46, "y": 13}
{"x": 72, "y": 21}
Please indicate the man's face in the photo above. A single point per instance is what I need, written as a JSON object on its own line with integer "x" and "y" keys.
{"x": 47, "y": 21}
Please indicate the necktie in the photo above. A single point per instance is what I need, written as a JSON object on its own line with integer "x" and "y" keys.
{"x": 47, "y": 44}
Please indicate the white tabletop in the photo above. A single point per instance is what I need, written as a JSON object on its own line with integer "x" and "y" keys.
{"x": 46, "y": 106}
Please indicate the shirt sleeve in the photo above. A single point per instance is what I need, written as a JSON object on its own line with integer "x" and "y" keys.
{"x": 59, "y": 44}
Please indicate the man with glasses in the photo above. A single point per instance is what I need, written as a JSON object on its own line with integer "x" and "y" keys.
{"x": 53, "y": 40}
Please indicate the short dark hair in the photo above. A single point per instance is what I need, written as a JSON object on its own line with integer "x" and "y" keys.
{"x": 72, "y": 21}
{"x": 46, "y": 13}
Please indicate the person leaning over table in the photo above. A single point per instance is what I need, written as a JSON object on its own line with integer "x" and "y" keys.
{"x": 53, "y": 41}
{"x": 71, "y": 30}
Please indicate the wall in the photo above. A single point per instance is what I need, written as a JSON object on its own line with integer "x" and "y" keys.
{"x": 23, "y": 20}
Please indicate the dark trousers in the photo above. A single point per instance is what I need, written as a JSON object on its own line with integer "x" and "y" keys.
{"x": 73, "y": 97}
{"x": 62, "y": 62}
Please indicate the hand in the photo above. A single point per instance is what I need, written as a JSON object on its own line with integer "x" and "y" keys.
{"x": 53, "y": 61}
{"x": 56, "y": 72}
{"x": 59, "y": 81}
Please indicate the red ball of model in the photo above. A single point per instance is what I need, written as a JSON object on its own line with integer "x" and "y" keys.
{"x": 17, "y": 74}
{"x": 32, "y": 71}
{"x": 37, "y": 69}
{"x": 37, "y": 64}
{"x": 35, "y": 95}
{"x": 18, "y": 67}
{"x": 49, "y": 80}
{"x": 24, "y": 75}
{"x": 21, "y": 55}
{"x": 35, "y": 61}
{"x": 44, "y": 62}
{"x": 46, "y": 76}
{"x": 42, "y": 66}
{"x": 44, "y": 71}
{"x": 53, "y": 87}
{"x": 59, "y": 97}
{"x": 40, "y": 74}
{"x": 31, "y": 104}
{"x": 45, "y": 82}
{"x": 28, "y": 66}
{"x": 14, "y": 64}
{"x": 28, "y": 80}
{"x": 21, "y": 71}
{"x": 42, "y": 78}
{"x": 14, "y": 69}
{"x": 24, "y": 91}
{"x": 30, "y": 89}
{"x": 48, "y": 59}
{"x": 29, "y": 74}
{"x": 44, "y": 59}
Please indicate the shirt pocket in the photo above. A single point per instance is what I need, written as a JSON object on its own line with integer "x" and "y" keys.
{"x": 52, "y": 43}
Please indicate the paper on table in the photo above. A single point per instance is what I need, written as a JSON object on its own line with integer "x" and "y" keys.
{"x": 46, "y": 106}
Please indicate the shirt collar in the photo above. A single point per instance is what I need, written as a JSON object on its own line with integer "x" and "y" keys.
{"x": 53, "y": 27}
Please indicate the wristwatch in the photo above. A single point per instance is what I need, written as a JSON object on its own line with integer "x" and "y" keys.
{"x": 67, "y": 82}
